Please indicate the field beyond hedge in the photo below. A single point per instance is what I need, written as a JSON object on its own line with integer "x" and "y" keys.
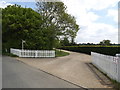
{"x": 87, "y": 49}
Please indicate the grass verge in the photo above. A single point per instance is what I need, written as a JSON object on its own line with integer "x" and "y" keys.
{"x": 9, "y": 54}
{"x": 116, "y": 84}
{"x": 59, "y": 53}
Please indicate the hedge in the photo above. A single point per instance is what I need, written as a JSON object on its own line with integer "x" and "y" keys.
{"x": 87, "y": 50}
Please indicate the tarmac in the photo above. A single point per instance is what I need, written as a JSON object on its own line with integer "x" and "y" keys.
{"x": 72, "y": 68}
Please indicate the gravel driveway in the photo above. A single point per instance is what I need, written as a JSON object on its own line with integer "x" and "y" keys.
{"x": 72, "y": 68}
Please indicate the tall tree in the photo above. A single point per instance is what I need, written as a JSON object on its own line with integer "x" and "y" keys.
{"x": 55, "y": 13}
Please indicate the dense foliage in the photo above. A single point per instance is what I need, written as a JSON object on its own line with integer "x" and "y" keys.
{"x": 21, "y": 24}
{"x": 55, "y": 13}
{"x": 108, "y": 50}
{"x": 41, "y": 29}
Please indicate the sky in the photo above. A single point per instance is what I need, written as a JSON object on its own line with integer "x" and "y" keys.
{"x": 98, "y": 19}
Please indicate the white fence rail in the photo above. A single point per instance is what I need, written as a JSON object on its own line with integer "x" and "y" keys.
{"x": 108, "y": 64}
{"x": 33, "y": 53}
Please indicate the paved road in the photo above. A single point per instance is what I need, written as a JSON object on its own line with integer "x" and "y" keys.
{"x": 72, "y": 68}
{"x": 20, "y": 75}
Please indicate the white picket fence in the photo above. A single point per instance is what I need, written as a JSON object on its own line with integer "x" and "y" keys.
{"x": 33, "y": 53}
{"x": 108, "y": 64}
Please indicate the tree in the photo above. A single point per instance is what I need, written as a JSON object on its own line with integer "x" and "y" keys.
{"x": 70, "y": 27}
{"x": 55, "y": 14}
{"x": 65, "y": 42}
{"x": 24, "y": 24}
{"x": 41, "y": 29}
{"x": 105, "y": 42}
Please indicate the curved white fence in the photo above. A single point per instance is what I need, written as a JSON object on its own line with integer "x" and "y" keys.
{"x": 33, "y": 53}
{"x": 108, "y": 64}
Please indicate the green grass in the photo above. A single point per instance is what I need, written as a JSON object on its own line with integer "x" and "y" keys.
{"x": 116, "y": 84}
{"x": 60, "y": 53}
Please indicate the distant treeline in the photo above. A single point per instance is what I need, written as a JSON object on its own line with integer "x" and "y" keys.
{"x": 66, "y": 42}
{"x": 91, "y": 44}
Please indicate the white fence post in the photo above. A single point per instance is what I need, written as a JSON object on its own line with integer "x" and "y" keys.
{"x": 36, "y": 53}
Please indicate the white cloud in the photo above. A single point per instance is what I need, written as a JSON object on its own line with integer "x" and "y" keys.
{"x": 114, "y": 14}
{"x": 20, "y": 0}
{"x": 92, "y": 4}
{"x": 99, "y": 4}
{"x": 96, "y": 32}
{"x": 4, "y": 4}
{"x": 90, "y": 30}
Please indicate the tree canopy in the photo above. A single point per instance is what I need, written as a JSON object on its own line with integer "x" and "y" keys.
{"x": 41, "y": 29}
{"x": 55, "y": 13}
{"x": 23, "y": 24}
{"x": 105, "y": 42}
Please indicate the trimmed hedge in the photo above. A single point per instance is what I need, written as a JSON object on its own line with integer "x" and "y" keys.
{"x": 87, "y": 50}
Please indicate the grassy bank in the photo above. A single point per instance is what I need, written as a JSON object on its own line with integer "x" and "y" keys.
{"x": 60, "y": 53}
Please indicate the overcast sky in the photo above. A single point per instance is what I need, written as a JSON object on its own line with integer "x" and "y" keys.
{"x": 98, "y": 19}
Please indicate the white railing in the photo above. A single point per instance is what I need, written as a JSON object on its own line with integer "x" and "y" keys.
{"x": 108, "y": 64}
{"x": 33, "y": 53}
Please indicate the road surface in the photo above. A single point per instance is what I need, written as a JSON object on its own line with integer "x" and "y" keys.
{"x": 19, "y": 75}
{"x": 73, "y": 68}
